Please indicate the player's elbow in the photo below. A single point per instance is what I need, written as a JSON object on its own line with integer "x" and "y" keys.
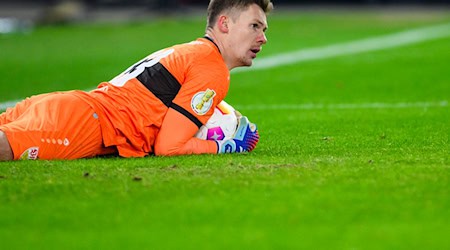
{"x": 164, "y": 149}
{"x": 164, "y": 152}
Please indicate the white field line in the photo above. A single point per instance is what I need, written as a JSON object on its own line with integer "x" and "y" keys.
{"x": 348, "y": 48}
{"x": 5, "y": 105}
{"x": 314, "y": 106}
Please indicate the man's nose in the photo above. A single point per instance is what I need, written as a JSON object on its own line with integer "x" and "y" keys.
{"x": 262, "y": 38}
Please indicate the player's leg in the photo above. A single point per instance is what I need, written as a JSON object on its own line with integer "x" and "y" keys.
{"x": 60, "y": 126}
{"x": 10, "y": 115}
{"x": 5, "y": 150}
{"x": 79, "y": 131}
{"x": 13, "y": 113}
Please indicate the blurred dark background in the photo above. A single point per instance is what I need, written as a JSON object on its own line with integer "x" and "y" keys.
{"x": 163, "y": 3}
{"x": 14, "y": 15}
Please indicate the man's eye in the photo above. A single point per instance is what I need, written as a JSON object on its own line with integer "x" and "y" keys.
{"x": 255, "y": 26}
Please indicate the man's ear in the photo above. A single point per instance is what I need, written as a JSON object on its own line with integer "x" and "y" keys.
{"x": 222, "y": 23}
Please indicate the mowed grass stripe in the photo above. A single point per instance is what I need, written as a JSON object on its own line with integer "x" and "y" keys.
{"x": 360, "y": 178}
{"x": 369, "y": 44}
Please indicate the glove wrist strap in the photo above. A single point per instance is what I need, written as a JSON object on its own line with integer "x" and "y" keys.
{"x": 227, "y": 146}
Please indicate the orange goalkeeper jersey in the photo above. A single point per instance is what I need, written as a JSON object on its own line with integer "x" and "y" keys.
{"x": 189, "y": 78}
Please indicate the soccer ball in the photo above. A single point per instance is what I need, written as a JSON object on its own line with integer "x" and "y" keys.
{"x": 222, "y": 124}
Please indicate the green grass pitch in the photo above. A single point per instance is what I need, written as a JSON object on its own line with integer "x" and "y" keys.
{"x": 341, "y": 164}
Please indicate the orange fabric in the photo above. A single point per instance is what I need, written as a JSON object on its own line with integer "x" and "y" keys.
{"x": 127, "y": 116}
{"x": 53, "y": 126}
{"x": 173, "y": 140}
{"x": 11, "y": 114}
{"x": 131, "y": 115}
{"x": 124, "y": 115}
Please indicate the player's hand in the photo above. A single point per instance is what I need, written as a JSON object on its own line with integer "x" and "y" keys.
{"x": 244, "y": 139}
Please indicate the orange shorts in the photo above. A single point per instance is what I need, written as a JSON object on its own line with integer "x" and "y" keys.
{"x": 53, "y": 126}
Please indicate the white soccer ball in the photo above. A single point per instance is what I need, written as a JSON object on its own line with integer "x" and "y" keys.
{"x": 221, "y": 126}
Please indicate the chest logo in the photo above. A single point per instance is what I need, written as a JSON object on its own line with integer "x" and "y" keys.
{"x": 202, "y": 101}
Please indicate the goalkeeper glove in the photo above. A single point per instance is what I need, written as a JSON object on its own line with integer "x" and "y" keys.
{"x": 244, "y": 139}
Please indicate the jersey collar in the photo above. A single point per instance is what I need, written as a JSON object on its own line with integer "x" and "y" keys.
{"x": 212, "y": 41}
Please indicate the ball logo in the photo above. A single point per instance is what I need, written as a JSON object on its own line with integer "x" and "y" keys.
{"x": 202, "y": 101}
{"x": 30, "y": 154}
{"x": 215, "y": 134}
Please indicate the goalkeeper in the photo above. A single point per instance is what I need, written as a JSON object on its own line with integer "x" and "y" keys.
{"x": 154, "y": 107}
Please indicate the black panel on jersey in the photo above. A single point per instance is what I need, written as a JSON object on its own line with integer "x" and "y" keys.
{"x": 165, "y": 86}
{"x": 187, "y": 114}
{"x": 160, "y": 82}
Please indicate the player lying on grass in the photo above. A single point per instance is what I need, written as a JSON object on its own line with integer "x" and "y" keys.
{"x": 154, "y": 107}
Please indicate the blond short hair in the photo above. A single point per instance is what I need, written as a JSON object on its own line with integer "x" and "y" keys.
{"x": 216, "y": 7}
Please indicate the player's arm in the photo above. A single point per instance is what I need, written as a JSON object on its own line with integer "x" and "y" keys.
{"x": 177, "y": 131}
{"x": 176, "y": 137}
{"x": 205, "y": 85}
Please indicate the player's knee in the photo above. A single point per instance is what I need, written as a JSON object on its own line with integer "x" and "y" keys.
{"x": 5, "y": 149}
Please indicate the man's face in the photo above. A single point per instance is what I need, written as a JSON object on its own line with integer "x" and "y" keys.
{"x": 247, "y": 35}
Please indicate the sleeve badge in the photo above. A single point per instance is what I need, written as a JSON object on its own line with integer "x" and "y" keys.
{"x": 202, "y": 101}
